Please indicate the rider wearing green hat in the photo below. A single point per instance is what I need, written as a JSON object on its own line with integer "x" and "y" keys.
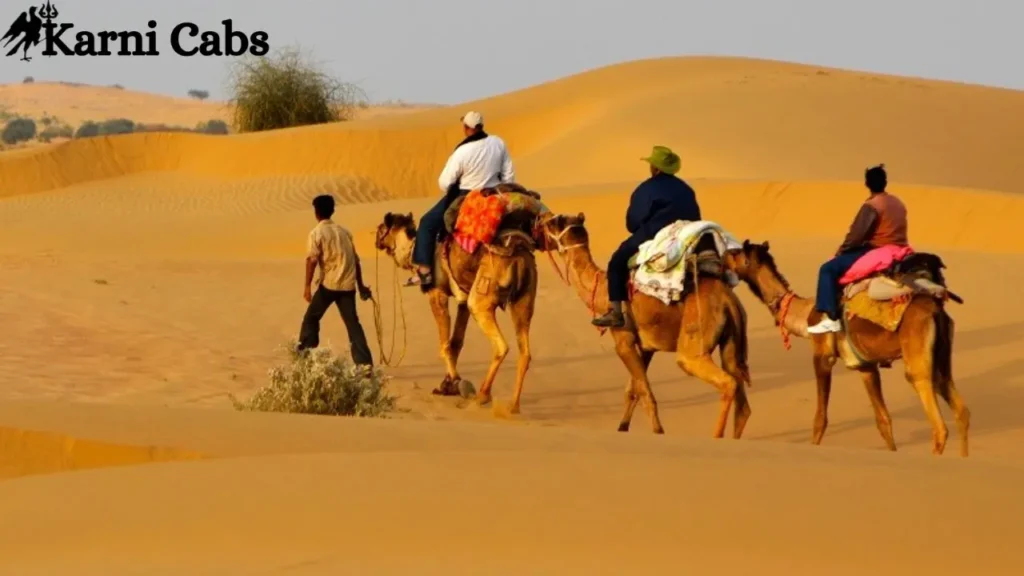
{"x": 657, "y": 202}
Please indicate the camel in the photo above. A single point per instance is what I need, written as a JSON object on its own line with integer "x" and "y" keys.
{"x": 712, "y": 317}
{"x": 923, "y": 339}
{"x": 502, "y": 274}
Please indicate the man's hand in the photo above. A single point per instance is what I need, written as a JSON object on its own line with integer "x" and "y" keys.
{"x": 308, "y": 295}
{"x": 365, "y": 293}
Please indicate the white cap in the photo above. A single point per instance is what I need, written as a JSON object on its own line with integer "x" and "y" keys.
{"x": 472, "y": 119}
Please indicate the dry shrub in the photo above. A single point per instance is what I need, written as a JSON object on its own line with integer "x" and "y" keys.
{"x": 318, "y": 382}
{"x": 286, "y": 90}
{"x": 19, "y": 130}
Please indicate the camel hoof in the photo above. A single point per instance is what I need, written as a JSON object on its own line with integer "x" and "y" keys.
{"x": 447, "y": 388}
{"x": 624, "y": 427}
{"x": 513, "y": 409}
{"x": 466, "y": 388}
{"x": 481, "y": 400}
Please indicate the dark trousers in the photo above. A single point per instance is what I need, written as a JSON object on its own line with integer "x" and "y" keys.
{"x": 431, "y": 224}
{"x": 618, "y": 267}
{"x": 309, "y": 334}
{"x": 827, "y": 300}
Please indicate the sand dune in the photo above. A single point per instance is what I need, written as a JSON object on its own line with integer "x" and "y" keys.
{"x": 148, "y": 276}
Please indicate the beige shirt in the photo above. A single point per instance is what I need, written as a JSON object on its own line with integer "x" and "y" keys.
{"x": 333, "y": 249}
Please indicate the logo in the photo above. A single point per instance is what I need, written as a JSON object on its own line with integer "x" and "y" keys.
{"x": 38, "y": 25}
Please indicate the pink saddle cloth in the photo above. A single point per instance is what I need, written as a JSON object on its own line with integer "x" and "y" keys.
{"x": 875, "y": 261}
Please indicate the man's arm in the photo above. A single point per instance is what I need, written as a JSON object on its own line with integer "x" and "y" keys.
{"x": 639, "y": 206}
{"x": 312, "y": 258}
{"x": 507, "y": 173}
{"x": 861, "y": 230}
{"x": 451, "y": 172}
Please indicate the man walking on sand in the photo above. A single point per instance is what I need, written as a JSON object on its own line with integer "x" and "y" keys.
{"x": 331, "y": 248}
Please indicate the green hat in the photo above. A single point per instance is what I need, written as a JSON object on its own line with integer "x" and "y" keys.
{"x": 663, "y": 159}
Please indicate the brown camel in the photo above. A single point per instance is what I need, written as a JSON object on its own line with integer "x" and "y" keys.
{"x": 502, "y": 274}
{"x": 712, "y": 317}
{"x": 923, "y": 339}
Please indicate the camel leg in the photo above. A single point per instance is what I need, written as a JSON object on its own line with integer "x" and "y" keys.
{"x": 629, "y": 353}
{"x": 952, "y": 397}
{"x": 945, "y": 385}
{"x": 522, "y": 316}
{"x": 704, "y": 368}
{"x": 873, "y": 385}
{"x": 458, "y": 337}
{"x": 918, "y": 350}
{"x": 439, "y": 308}
{"x": 632, "y": 397}
{"x": 483, "y": 313}
{"x": 729, "y": 351}
{"x": 823, "y": 375}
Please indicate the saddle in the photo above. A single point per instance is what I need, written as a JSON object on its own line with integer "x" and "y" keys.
{"x": 882, "y": 299}
{"x": 499, "y": 218}
{"x": 672, "y": 282}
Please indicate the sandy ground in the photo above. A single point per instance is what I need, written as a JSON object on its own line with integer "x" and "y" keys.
{"x": 146, "y": 277}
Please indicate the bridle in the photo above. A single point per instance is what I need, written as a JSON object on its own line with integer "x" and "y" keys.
{"x": 562, "y": 249}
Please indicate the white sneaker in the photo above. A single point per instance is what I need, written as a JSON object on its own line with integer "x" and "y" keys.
{"x": 824, "y": 326}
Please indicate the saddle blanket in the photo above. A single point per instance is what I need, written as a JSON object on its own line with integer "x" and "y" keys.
{"x": 661, "y": 262}
{"x": 479, "y": 216}
{"x": 885, "y": 313}
{"x": 875, "y": 261}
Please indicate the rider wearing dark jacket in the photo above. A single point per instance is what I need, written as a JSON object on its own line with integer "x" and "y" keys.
{"x": 657, "y": 202}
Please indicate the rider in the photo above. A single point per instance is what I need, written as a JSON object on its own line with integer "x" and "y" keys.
{"x": 657, "y": 202}
{"x": 881, "y": 221}
{"x": 479, "y": 161}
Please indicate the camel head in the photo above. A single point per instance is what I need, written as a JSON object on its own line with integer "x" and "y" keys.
{"x": 754, "y": 265}
{"x": 396, "y": 236}
{"x": 563, "y": 232}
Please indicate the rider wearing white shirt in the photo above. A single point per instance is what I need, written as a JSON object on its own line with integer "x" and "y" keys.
{"x": 479, "y": 161}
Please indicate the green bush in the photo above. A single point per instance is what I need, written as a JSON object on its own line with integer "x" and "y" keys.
{"x": 284, "y": 90}
{"x": 117, "y": 126}
{"x": 88, "y": 129}
{"x": 212, "y": 127}
{"x": 318, "y": 382}
{"x": 56, "y": 131}
{"x": 19, "y": 130}
{"x": 160, "y": 128}
{"x": 199, "y": 94}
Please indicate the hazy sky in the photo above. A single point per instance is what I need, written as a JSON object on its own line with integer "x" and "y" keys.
{"x": 449, "y": 51}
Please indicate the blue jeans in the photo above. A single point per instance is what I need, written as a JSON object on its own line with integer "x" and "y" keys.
{"x": 431, "y": 223}
{"x": 829, "y": 274}
{"x": 618, "y": 268}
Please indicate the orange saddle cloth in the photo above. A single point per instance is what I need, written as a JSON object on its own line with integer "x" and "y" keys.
{"x": 480, "y": 216}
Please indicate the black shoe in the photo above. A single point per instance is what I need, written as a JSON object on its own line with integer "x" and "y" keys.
{"x": 426, "y": 280}
{"x": 611, "y": 319}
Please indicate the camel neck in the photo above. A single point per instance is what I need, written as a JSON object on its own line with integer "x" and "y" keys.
{"x": 587, "y": 278}
{"x": 786, "y": 306}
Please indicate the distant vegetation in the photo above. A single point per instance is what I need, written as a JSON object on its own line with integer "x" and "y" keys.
{"x": 199, "y": 94}
{"x": 19, "y": 130}
{"x": 29, "y": 80}
{"x": 318, "y": 382}
{"x": 285, "y": 90}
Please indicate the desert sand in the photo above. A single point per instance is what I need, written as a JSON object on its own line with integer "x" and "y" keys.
{"x": 148, "y": 276}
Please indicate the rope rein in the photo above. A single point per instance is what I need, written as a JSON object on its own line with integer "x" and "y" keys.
{"x": 592, "y": 305}
{"x": 378, "y": 321}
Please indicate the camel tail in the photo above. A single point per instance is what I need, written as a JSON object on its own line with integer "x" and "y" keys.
{"x": 942, "y": 348}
